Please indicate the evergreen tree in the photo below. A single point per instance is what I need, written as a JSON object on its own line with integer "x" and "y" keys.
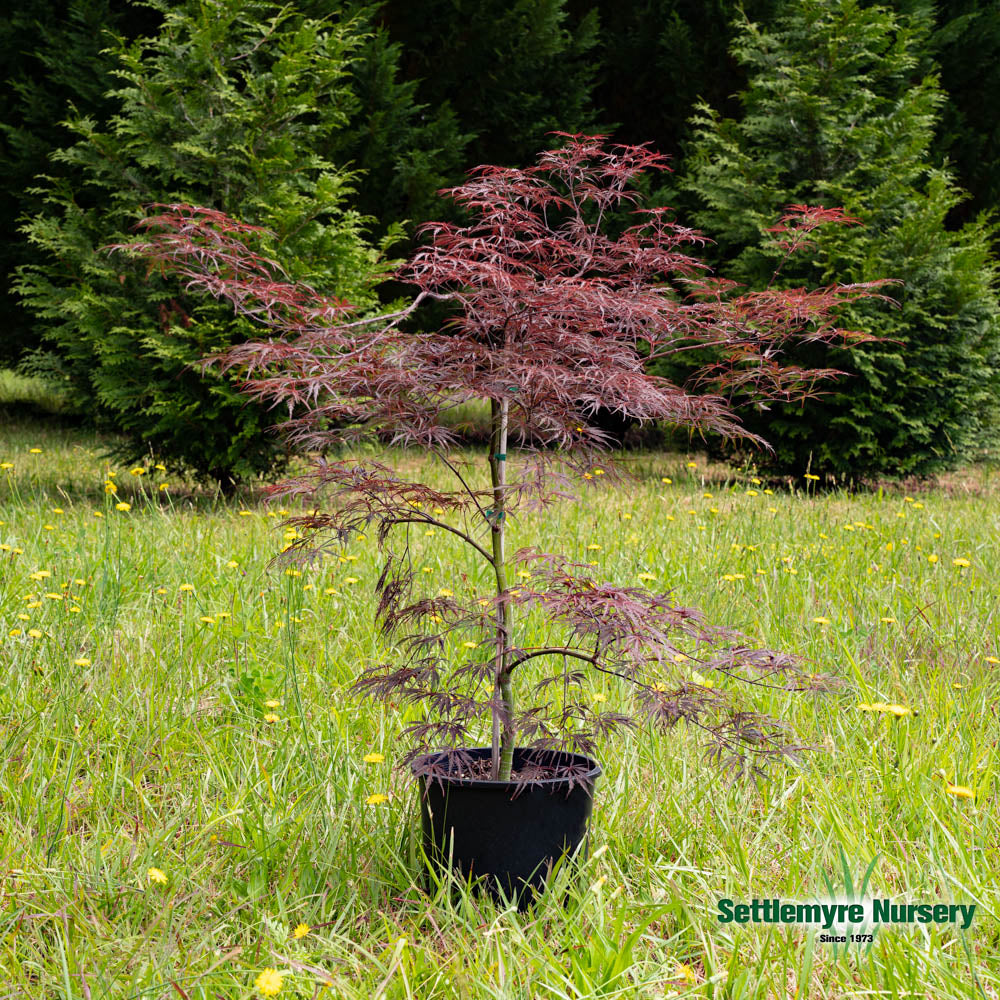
{"x": 512, "y": 71}
{"x": 836, "y": 113}
{"x": 967, "y": 47}
{"x": 658, "y": 57}
{"x": 405, "y": 151}
{"x": 228, "y": 107}
{"x": 963, "y": 46}
{"x": 55, "y": 63}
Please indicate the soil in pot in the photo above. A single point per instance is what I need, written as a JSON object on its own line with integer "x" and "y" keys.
{"x": 504, "y": 835}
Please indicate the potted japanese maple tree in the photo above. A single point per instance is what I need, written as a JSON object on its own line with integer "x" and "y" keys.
{"x": 551, "y": 320}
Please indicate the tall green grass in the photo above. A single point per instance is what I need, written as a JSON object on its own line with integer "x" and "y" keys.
{"x": 134, "y": 737}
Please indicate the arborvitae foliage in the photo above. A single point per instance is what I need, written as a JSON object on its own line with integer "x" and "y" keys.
{"x": 405, "y": 151}
{"x": 512, "y": 71}
{"x": 227, "y": 104}
{"x": 966, "y": 45}
{"x": 54, "y": 61}
{"x": 833, "y": 114}
{"x": 658, "y": 57}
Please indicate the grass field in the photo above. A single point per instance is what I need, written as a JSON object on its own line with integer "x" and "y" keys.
{"x": 159, "y": 838}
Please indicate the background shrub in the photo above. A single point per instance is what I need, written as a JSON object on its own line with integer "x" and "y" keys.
{"x": 837, "y": 113}
{"x": 229, "y": 105}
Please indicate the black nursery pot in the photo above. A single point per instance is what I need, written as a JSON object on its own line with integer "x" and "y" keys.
{"x": 505, "y": 835}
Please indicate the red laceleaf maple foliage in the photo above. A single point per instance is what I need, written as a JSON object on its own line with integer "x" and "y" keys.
{"x": 553, "y": 318}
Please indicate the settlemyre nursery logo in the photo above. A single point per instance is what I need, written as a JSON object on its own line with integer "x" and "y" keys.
{"x": 848, "y": 915}
{"x": 836, "y": 915}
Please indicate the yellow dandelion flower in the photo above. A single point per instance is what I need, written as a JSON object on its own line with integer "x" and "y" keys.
{"x": 887, "y": 620}
{"x": 468, "y": 644}
{"x": 14, "y": 633}
{"x": 34, "y": 451}
{"x": 156, "y": 875}
{"x": 6, "y": 465}
{"x": 445, "y": 592}
{"x": 163, "y": 486}
{"x": 932, "y": 558}
{"x": 207, "y": 619}
{"x": 647, "y": 576}
{"x": 374, "y": 758}
{"x": 593, "y": 548}
{"x": 137, "y": 471}
{"x": 821, "y": 620}
{"x": 961, "y": 563}
{"x": 301, "y": 930}
{"x": 692, "y": 465}
{"x": 293, "y": 572}
{"x": 160, "y": 466}
{"x": 123, "y": 506}
{"x": 811, "y": 477}
{"x": 959, "y": 791}
{"x": 186, "y": 587}
{"x": 377, "y": 799}
{"x": 81, "y": 662}
{"x": 272, "y": 703}
{"x": 686, "y": 973}
{"x": 269, "y": 982}
{"x": 270, "y": 718}
{"x": 898, "y": 710}
{"x": 702, "y": 681}
{"x": 109, "y": 487}
{"x": 34, "y": 633}
{"x": 350, "y": 579}
{"x": 666, "y": 479}
{"x": 598, "y": 698}
{"x": 992, "y": 659}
